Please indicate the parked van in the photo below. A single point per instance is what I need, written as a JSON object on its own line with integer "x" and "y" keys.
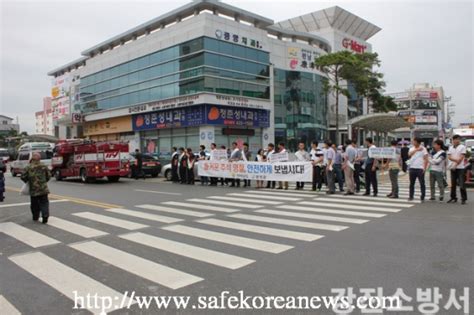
{"x": 25, "y": 153}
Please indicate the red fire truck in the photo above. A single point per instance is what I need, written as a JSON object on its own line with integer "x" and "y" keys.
{"x": 90, "y": 160}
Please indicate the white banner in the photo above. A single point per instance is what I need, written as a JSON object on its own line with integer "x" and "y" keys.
{"x": 278, "y": 157}
{"x": 383, "y": 153}
{"x": 219, "y": 154}
{"x": 289, "y": 171}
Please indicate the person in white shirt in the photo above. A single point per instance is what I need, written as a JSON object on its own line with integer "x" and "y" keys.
{"x": 281, "y": 149}
{"x": 330, "y": 155}
{"x": 437, "y": 163}
{"x": 235, "y": 156}
{"x": 301, "y": 155}
{"x": 418, "y": 165}
{"x": 456, "y": 156}
{"x": 370, "y": 170}
{"x": 350, "y": 154}
{"x": 213, "y": 150}
{"x": 270, "y": 151}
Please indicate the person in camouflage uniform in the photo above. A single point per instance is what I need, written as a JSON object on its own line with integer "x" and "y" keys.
{"x": 37, "y": 176}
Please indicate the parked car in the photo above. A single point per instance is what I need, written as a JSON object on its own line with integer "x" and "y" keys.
{"x": 4, "y": 155}
{"x": 150, "y": 165}
{"x": 25, "y": 153}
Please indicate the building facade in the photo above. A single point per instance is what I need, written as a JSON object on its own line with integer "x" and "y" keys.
{"x": 205, "y": 72}
{"x": 44, "y": 119}
{"x": 8, "y": 125}
{"x": 423, "y": 105}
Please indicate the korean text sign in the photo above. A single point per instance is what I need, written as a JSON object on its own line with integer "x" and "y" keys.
{"x": 288, "y": 171}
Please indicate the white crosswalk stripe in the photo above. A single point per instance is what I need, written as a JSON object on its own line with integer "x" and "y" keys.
{"x": 235, "y": 240}
{"x": 275, "y": 193}
{"x": 8, "y": 205}
{"x": 166, "y": 276}
{"x": 362, "y": 202}
{"x": 310, "y": 225}
{"x": 199, "y": 206}
{"x": 265, "y": 202}
{"x": 312, "y": 216}
{"x": 176, "y": 211}
{"x": 110, "y": 220}
{"x": 7, "y": 308}
{"x": 347, "y": 206}
{"x": 300, "y": 236}
{"x": 261, "y": 196}
{"x": 194, "y": 252}
{"x": 332, "y": 211}
{"x": 359, "y": 197}
{"x": 223, "y": 203}
{"x": 74, "y": 228}
{"x": 144, "y": 215}
{"x": 65, "y": 279}
{"x": 25, "y": 235}
{"x": 301, "y": 192}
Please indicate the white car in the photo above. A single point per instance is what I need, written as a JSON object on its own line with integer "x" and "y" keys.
{"x": 25, "y": 153}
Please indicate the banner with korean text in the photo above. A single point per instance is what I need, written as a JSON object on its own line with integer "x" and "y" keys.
{"x": 287, "y": 171}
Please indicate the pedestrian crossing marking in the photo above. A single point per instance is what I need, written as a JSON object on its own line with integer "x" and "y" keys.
{"x": 332, "y": 211}
{"x": 294, "y": 191}
{"x": 25, "y": 235}
{"x": 190, "y": 251}
{"x": 359, "y": 197}
{"x": 266, "y": 202}
{"x": 74, "y": 228}
{"x": 7, "y": 308}
{"x": 362, "y": 202}
{"x": 166, "y": 276}
{"x": 274, "y": 193}
{"x": 110, "y": 220}
{"x": 310, "y": 225}
{"x": 223, "y": 203}
{"x": 176, "y": 211}
{"x": 235, "y": 240}
{"x": 8, "y": 205}
{"x": 261, "y": 196}
{"x": 198, "y": 206}
{"x": 300, "y": 236}
{"x": 144, "y": 215}
{"x": 312, "y": 216}
{"x": 64, "y": 279}
{"x": 347, "y": 206}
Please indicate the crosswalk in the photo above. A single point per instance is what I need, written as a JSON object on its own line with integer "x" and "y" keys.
{"x": 209, "y": 230}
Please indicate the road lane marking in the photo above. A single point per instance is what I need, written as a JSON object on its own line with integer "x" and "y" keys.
{"x": 25, "y": 235}
{"x": 166, "y": 276}
{"x": 110, "y": 220}
{"x": 332, "y": 211}
{"x": 176, "y": 211}
{"x": 363, "y": 202}
{"x": 310, "y": 225}
{"x": 223, "y": 203}
{"x": 313, "y": 216}
{"x": 74, "y": 228}
{"x": 300, "y": 236}
{"x": 198, "y": 206}
{"x": 64, "y": 279}
{"x": 265, "y": 202}
{"x": 275, "y": 193}
{"x": 158, "y": 192}
{"x": 261, "y": 196}
{"x": 198, "y": 253}
{"x": 345, "y": 206}
{"x": 235, "y": 240}
{"x": 28, "y": 203}
{"x": 145, "y": 215}
{"x": 359, "y": 197}
{"x": 7, "y": 308}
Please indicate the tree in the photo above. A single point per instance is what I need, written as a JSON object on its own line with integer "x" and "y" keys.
{"x": 382, "y": 103}
{"x": 336, "y": 66}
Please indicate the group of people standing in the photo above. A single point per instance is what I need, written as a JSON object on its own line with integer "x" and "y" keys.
{"x": 345, "y": 167}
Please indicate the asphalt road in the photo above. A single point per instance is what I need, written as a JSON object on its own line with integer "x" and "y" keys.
{"x": 135, "y": 236}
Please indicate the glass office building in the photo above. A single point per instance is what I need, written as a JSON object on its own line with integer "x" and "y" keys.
{"x": 207, "y": 72}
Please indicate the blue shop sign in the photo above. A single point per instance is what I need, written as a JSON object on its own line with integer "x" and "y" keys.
{"x": 202, "y": 115}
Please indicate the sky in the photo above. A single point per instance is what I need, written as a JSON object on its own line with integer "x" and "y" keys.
{"x": 420, "y": 41}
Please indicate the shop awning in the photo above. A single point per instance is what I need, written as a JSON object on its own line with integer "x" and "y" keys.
{"x": 380, "y": 122}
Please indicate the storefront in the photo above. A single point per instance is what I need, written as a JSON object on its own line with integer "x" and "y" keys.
{"x": 112, "y": 129}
